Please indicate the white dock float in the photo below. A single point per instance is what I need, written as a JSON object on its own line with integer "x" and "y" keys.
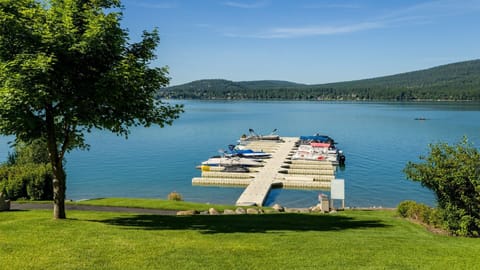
{"x": 226, "y": 182}
{"x": 257, "y": 191}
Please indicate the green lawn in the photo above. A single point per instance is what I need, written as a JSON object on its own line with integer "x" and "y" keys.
{"x": 153, "y": 204}
{"x": 345, "y": 240}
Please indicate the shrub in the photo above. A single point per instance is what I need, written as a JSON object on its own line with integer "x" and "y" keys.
{"x": 11, "y": 184}
{"x": 28, "y": 181}
{"x": 461, "y": 222}
{"x": 39, "y": 185}
{"x": 175, "y": 196}
{"x": 404, "y": 207}
{"x": 421, "y": 212}
{"x": 453, "y": 174}
{"x": 27, "y": 173}
{"x": 436, "y": 218}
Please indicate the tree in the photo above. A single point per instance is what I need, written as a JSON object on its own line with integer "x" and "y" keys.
{"x": 453, "y": 174}
{"x": 35, "y": 152}
{"x": 67, "y": 67}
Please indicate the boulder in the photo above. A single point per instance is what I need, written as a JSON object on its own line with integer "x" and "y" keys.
{"x": 297, "y": 210}
{"x": 277, "y": 207}
{"x": 187, "y": 213}
{"x": 213, "y": 211}
{"x": 252, "y": 211}
{"x": 240, "y": 211}
{"x": 317, "y": 208}
{"x": 228, "y": 212}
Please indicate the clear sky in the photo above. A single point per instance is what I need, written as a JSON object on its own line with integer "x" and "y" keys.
{"x": 305, "y": 41}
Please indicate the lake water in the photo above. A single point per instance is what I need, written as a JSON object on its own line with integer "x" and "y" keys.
{"x": 378, "y": 140}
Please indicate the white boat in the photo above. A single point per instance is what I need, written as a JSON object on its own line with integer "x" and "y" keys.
{"x": 317, "y": 151}
{"x": 243, "y": 152}
{"x": 255, "y": 137}
{"x": 232, "y": 161}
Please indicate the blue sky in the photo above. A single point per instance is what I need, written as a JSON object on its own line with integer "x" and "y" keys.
{"x": 305, "y": 41}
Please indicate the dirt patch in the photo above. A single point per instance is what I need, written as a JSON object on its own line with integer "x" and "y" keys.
{"x": 430, "y": 228}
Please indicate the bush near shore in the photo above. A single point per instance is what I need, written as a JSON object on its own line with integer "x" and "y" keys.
{"x": 431, "y": 217}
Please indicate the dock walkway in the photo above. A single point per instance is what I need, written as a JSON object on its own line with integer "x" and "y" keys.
{"x": 258, "y": 189}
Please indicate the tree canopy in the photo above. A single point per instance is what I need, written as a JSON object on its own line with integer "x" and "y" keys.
{"x": 453, "y": 174}
{"x": 67, "y": 67}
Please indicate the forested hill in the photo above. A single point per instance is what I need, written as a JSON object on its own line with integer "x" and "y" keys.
{"x": 457, "y": 81}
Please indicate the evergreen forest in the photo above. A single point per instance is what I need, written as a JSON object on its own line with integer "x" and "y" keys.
{"x": 453, "y": 82}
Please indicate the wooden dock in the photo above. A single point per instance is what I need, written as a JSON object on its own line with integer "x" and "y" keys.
{"x": 278, "y": 171}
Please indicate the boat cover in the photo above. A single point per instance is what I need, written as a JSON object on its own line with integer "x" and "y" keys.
{"x": 319, "y": 138}
{"x": 323, "y": 145}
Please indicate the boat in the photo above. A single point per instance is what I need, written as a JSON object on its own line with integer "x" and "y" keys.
{"x": 236, "y": 168}
{"x": 255, "y": 137}
{"x": 319, "y": 147}
{"x": 241, "y": 151}
{"x": 226, "y": 168}
{"x": 232, "y": 161}
{"x": 317, "y": 138}
{"x": 316, "y": 151}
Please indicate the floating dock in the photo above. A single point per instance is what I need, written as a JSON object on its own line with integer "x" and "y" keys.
{"x": 257, "y": 191}
{"x": 277, "y": 171}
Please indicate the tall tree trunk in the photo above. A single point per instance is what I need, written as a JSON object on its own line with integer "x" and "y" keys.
{"x": 59, "y": 188}
{"x": 56, "y": 159}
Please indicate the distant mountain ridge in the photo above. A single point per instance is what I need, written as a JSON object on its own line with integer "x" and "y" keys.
{"x": 231, "y": 85}
{"x": 456, "y": 81}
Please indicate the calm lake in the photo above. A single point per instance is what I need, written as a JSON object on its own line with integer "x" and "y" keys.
{"x": 378, "y": 140}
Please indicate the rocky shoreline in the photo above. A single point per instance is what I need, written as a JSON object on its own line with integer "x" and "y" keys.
{"x": 257, "y": 210}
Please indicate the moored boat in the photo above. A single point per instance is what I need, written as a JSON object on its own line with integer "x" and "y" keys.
{"x": 232, "y": 161}
{"x": 241, "y": 151}
{"x": 255, "y": 137}
{"x": 309, "y": 152}
{"x": 317, "y": 138}
{"x": 319, "y": 147}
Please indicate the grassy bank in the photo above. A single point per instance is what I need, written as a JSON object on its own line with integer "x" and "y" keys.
{"x": 346, "y": 240}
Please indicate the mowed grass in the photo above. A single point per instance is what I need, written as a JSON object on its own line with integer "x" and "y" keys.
{"x": 153, "y": 204}
{"x": 345, "y": 240}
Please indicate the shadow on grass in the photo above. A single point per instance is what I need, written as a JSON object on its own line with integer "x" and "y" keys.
{"x": 244, "y": 223}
